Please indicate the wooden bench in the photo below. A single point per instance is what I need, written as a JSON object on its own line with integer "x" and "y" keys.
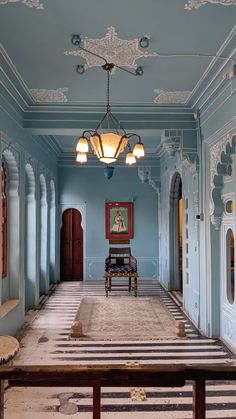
{"x": 121, "y": 264}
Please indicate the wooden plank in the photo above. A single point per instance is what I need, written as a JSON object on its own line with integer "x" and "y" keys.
{"x": 199, "y": 399}
{"x": 1, "y": 399}
{"x": 86, "y": 376}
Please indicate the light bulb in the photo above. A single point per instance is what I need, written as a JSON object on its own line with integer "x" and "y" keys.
{"x": 81, "y": 157}
{"x": 138, "y": 150}
{"x": 130, "y": 159}
{"x": 82, "y": 145}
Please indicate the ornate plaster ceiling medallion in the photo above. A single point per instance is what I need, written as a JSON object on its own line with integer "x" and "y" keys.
{"x": 165, "y": 97}
{"x": 30, "y": 3}
{"x": 44, "y": 95}
{"x": 195, "y": 4}
{"x": 121, "y": 52}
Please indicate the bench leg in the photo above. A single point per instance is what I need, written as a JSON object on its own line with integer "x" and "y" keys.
{"x": 97, "y": 402}
{"x": 1, "y": 399}
{"x": 199, "y": 399}
{"x": 129, "y": 284}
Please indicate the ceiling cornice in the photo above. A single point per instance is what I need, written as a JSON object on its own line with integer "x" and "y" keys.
{"x": 214, "y": 70}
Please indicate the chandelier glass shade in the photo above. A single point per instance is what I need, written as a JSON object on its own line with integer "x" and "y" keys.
{"x": 108, "y": 146}
{"x": 109, "y": 139}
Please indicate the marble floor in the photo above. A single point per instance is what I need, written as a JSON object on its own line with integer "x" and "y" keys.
{"x": 46, "y": 341}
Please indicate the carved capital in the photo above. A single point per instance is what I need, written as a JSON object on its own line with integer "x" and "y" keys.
{"x": 146, "y": 175}
{"x": 171, "y": 141}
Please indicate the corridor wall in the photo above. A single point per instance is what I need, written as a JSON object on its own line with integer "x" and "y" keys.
{"x": 25, "y": 160}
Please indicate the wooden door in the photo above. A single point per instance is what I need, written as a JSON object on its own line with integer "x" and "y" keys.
{"x": 71, "y": 246}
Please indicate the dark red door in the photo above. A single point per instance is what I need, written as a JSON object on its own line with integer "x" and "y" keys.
{"x": 71, "y": 246}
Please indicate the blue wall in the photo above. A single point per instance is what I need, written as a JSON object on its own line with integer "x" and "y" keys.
{"x": 21, "y": 149}
{"x": 89, "y": 186}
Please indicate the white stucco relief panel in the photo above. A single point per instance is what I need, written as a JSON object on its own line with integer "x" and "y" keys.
{"x": 45, "y": 95}
{"x": 36, "y": 4}
{"x": 121, "y": 52}
{"x": 166, "y": 97}
{"x": 195, "y": 4}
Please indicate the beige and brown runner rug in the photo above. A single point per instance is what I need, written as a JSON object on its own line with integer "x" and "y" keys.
{"x": 125, "y": 318}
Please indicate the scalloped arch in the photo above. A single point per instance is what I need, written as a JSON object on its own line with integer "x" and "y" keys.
{"x": 220, "y": 157}
{"x": 43, "y": 187}
{"x": 30, "y": 180}
{"x": 12, "y": 170}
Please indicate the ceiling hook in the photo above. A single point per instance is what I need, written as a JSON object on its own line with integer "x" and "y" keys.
{"x": 80, "y": 69}
{"x": 76, "y": 40}
{"x": 139, "y": 71}
{"x": 144, "y": 42}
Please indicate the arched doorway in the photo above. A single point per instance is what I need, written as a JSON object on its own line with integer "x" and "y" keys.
{"x": 71, "y": 246}
{"x": 176, "y": 216}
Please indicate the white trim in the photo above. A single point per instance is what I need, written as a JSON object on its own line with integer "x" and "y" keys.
{"x": 210, "y": 66}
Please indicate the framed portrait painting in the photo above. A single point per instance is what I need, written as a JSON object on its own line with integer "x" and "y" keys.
{"x": 119, "y": 220}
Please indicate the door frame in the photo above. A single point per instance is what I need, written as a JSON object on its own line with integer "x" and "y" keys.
{"x": 81, "y": 207}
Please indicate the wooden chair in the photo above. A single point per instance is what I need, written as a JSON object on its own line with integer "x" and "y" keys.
{"x": 121, "y": 264}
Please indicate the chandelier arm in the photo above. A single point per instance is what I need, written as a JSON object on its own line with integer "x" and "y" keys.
{"x": 100, "y": 123}
{"x": 117, "y": 122}
{"x": 118, "y": 148}
{"x": 90, "y": 132}
{"x": 132, "y": 134}
{"x": 101, "y": 145}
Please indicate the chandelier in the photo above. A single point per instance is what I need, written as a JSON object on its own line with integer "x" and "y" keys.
{"x": 109, "y": 139}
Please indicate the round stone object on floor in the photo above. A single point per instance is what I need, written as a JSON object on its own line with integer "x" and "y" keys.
{"x": 68, "y": 409}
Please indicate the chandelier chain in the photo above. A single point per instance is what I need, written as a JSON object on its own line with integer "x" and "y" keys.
{"x": 108, "y": 90}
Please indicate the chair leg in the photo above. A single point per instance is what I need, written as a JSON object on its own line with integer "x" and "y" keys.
{"x": 135, "y": 286}
{"x": 106, "y": 286}
{"x": 129, "y": 284}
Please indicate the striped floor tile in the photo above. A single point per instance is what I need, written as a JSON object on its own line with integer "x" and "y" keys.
{"x": 53, "y": 321}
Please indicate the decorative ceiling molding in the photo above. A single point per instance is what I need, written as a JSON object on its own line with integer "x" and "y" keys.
{"x": 178, "y": 97}
{"x": 121, "y": 52}
{"x": 195, "y": 4}
{"x": 36, "y": 4}
{"x": 52, "y": 96}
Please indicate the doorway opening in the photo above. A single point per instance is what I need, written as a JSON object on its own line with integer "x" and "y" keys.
{"x": 176, "y": 238}
{"x": 71, "y": 246}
